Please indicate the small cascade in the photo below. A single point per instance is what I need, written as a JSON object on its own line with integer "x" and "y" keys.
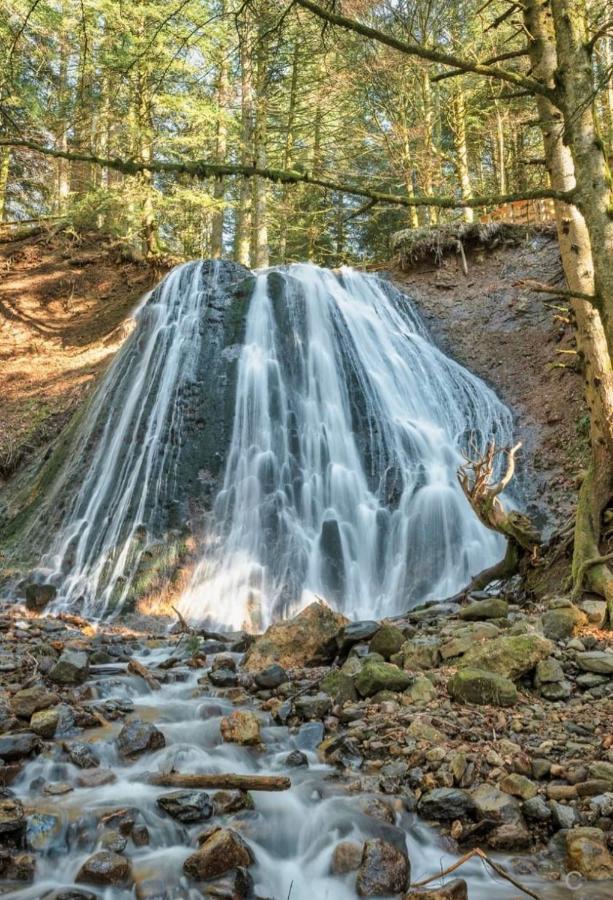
{"x": 299, "y": 426}
{"x": 341, "y": 474}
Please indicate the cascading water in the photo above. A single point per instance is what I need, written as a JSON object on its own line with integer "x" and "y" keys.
{"x": 345, "y": 426}
{"x": 341, "y": 475}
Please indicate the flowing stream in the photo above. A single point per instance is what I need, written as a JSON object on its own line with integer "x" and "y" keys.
{"x": 340, "y": 471}
{"x": 292, "y": 834}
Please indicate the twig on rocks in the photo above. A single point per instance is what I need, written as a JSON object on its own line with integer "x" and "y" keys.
{"x": 485, "y": 858}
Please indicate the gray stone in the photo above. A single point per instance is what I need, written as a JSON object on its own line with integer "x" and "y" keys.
{"x": 548, "y": 671}
{"x": 313, "y": 706}
{"x": 271, "y": 677}
{"x": 30, "y": 700}
{"x": 16, "y": 746}
{"x": 187, "y": 806}
{"x": 482, "y": 687}
{"x": 71, "y": 668}
{"x": 491, "y": 803}
{"x": 81, "y": 754}
{"x": 137, "y": 737}
{"x": 536, "y": 809}
{"x": 598, "y": 661}
{"x": 559, "y": 624}
{"x": 446, "y": 804}
{"x": 563, "y": 816}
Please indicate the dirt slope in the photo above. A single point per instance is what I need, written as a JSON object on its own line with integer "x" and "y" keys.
{"x": 63, "y": 305}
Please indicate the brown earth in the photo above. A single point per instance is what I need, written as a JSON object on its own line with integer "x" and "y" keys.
{"x": 522, "y": 344}
{"x": 64, "y": 303}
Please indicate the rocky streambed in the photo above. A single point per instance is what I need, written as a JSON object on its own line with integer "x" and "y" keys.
{"x": 407, "y": 744}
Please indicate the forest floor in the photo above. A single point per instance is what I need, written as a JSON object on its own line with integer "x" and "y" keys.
{"x": 65, "y": 299}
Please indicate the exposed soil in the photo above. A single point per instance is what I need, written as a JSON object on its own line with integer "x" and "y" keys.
{"x": 64, "y": 300}
{"x": 521, "y": 343}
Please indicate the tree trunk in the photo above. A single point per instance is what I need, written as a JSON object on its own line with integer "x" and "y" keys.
{"x": 501, "y": 152}
{"x": 430, "y": 153}
{"x": 5, "y": 162}
{"x": 576, "y": 252}
{"x": 287, "y": 152}
{"x": 575, "y": 81}
{"x": 221, "y": 144}
{"x": 242, "y": 236}
{"x": 458, "y": 126}
{"x": 259, "y": 244}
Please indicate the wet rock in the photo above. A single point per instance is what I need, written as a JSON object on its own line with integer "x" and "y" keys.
{"x": 509, "y": 655}
{"x": 241, "y": 727}
{"x": 187, "y": 806}
{"x": 482, "y": 687}
{"x": 151, "y": 889}
{"x": 598, "y": 661}
{"x": 82, "y": 755}
{"x": 226, "y": 802}
{"x": 137, "y": 737}
{"x": 346, "y": 857}
{"x": 45, "y": 722}
{"x": 446, "y": 804}
{"x": 452, "y": 890}
{"x": 71, "y": 668}
{"x": 17, "y": 746}
{"x": 559, "y": 624}
{"x": 587, "y": 853}
{"x": 114, "y": 841}
{"x": 480, "y": 610}
{"x": 271, "y": 677}
{"x": 17, "y": 866}
{"x": 105, "y": 868}
{"x": 296, "y": 758}
{"x": 307, "y": 639}
{"x": 38, "y": 596}
{"x": 71, "y": 894}
{"x": 12, "y": 819}
{"x": 93, "y": 778}
{"x": 221, "y": 849}
{"x": 223, "y": 677}
{"x": 384, "y": 869}
{"x": 387, "y": 641}
{"x": 313, "y": 706}
{"x": 57, "y": 788}
{"x": 41, "y": 830}
{"x": 518, "y": 786}
{"x": 235, "y": 885}
{"x": 30, "y": 700}
{"x": 380, "y": 676}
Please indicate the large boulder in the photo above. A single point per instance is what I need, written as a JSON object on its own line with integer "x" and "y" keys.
{"x": 384, "y": 869}
{"x": 509, "y": 655}
{"x": 598, "y": 661}
{"x": 221, "y": 849}
{"x": 71, "y": 668}
{"x": 375, "y": 676}
{"x": 480, "y": 687}
{"x": 187, "y": 806}
{"x": 307, "y": 639}
{"x": 562, "y": 622}
{"x": 481, "y": 610}
{"x": 30, "y": 700}
{"x": 39, "y": 595}
{"x": 387, "y": 641}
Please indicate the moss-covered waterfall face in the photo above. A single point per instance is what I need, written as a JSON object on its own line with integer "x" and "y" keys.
{"x": 298, "y": 427}
{"x": 135, "y": 473}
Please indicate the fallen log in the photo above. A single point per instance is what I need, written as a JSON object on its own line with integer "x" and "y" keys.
{"x": 223, "y": 781}
{"x": 137, "y": 668}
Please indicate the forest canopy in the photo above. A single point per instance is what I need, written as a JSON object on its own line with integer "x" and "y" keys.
{"x": 267, "y": 85}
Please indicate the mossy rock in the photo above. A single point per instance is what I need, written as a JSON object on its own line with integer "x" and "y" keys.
{"x": 340, "y": 687}
{"x": 509, "y": 655}
{"x": 387, "y": 641}
{"x": 380, "y": 676}
{"x": 480, "y": 687}
{"x": 562, "y": 623}
{"x": 481, "y": 610}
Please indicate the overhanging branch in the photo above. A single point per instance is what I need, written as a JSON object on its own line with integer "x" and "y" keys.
{"x": 200, "y": 168}
{"x": 429, "y": 53}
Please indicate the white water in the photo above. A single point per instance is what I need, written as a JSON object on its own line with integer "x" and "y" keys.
{"x": 341, "y": 478}
{"x": 341, "y": 473}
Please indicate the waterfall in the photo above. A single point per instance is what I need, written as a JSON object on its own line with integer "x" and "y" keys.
{"x": 301, "y": 426}
{"x": 341, "y": 473}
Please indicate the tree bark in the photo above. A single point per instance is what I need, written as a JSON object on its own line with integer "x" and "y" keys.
{"x": 5, "y": 162}
{"x": 458, "y": 126}
{"x": 221, "y": 146}
{"x": 259, "y": 241}
{"x": 577, "y": 260}
{"x": 223, "y": 781}
{"x": 242, "y": 238}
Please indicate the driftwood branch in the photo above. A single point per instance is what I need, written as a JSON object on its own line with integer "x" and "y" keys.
{"x": 539, "y": 288}
{"x": 222, "y": 781}
{"x": 500, "y": 870}
{"x": 137, "y": 668}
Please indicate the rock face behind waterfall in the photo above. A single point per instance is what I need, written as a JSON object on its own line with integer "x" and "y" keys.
{"x": 174, "y": 486}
